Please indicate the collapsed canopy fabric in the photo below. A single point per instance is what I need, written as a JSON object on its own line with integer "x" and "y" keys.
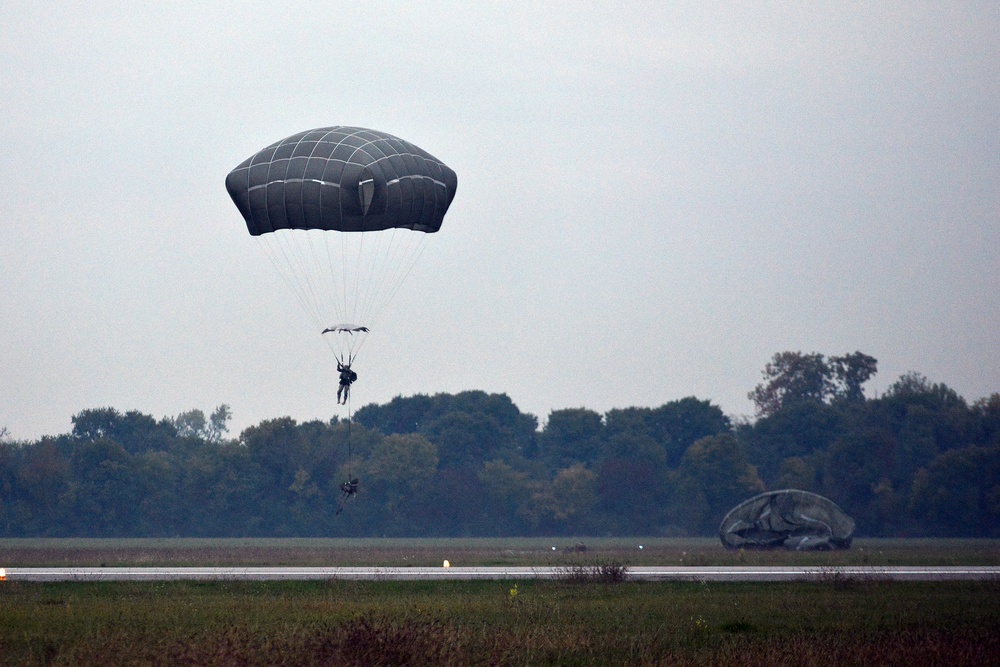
{"x": 346, "y": 179}
{"x": 791, "y": 519}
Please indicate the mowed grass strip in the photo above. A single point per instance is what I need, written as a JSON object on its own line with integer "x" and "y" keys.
{"x": 389, "y": 552}
{"x": 499, "y": 623}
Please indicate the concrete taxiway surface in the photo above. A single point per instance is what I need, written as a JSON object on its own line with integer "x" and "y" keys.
{"x": 638, "y": 573}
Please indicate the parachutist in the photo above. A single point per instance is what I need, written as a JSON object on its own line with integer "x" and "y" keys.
{"x": 347, "y": 376}
{"x": 349, "y": 488}
{"x": 295, "y": 208}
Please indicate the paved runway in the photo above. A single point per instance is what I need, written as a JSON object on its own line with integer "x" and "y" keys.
{"x": 643, "y": 573}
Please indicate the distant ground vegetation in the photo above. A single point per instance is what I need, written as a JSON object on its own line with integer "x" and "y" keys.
{"x": 467, "y": 552}
{"x": 918, "y": 460}
{"x": 499, "y": 623}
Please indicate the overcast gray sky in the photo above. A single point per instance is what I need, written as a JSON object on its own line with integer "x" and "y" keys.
{"x": 653, "y": 199}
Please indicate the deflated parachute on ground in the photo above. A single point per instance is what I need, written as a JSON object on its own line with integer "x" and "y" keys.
{"x": 343, "y": 213}
{"x": 789, "y": 519}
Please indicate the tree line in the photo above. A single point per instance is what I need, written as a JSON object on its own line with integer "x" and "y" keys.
{"x": 918, "y": 460}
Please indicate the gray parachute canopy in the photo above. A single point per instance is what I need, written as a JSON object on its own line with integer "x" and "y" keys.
{"x": 343, "y": 214}
{"x": 345, "y": 179}
{"x": 790, "y": 519}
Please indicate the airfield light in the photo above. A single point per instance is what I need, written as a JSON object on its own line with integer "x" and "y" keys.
{"x": 446, "y": 564}
{"x": 3, "y": 574}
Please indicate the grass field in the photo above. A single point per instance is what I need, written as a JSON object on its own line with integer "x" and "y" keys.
{"x": 472, "y": 551}
{"x": 840, "y": 621}
{"x": 496, "y": 623}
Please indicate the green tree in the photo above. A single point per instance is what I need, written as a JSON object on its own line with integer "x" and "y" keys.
{"x": 506, "y": 494}
{"x": 573, "y": 496}
{"x": 157, "y": 480}
{"x": 858, "y": 475}
{"x": 562, "y": 505}
{"x": 713, "y": 477}
{"x": 405, "y": 461}
{"x": 798, "y": 430}
{"x": 134, "y": 431}
{"x": 505, "y": 430}
{"x": 398, "y": 471}
{"x": 958, "y": 494}
{"x": 850, "y": 373}
{"x": 276, "y": 450}
{"x": 8, "y": 474}
{"x": 801, "y": 472}
{"x": 400, "y": 415}
{"x": 453, "y": 504}
{"x": 793, "y": 378}
{"x": 465, "y": 440}
{"x": 986, "y": 412}
{"x": 220, "y": 496}
{"x": 191, "y": 424}
{"x": 101, "y": 494}
{"x": 679, "y": 424}
{"x": 921, "y": 409}
{"x": 632, "y": 494}
{"x": 41, "y": 478}
{"x": 90, "y": 425}
{"x": 570, "y": 435}
{"x": 218, "y": 423}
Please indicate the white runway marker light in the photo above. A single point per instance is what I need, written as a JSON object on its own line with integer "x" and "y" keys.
{"x": 446, "y": 564}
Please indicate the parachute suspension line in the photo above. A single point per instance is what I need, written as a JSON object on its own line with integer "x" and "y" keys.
{"x": 298, "y": 258}
{"x": 350, "y": 451}
{"x": 386, "y": 255}
{"x": 304, "y": 259}
{"x": 400, "y": 251}
{"x": 301, "y": 264}
{"x": 274, "y": 248}
{"x": 367, "y": 301}
{"x": 344, "y": 278}
{"x": 315, "y": 276}
{"x": 414, "y": 251}
{"x": 359, "y": 264}
{"x": 351, "y": 246}
{"x": 390, "y": 256}
{"x": 369, "y": 271}
{"x": 344, "y": 242}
